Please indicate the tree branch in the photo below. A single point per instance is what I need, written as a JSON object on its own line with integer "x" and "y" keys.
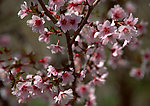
{"x": 47, "y": 12}
{"x": 84, "y": 21}
{"x": 69, "y": 46}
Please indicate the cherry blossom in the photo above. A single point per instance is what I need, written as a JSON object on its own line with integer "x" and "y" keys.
{"x": 45, "y": 61}
{"x": 38, "y": 81}
{"x": 91, "y": 101}
{"x": 127, "y": 33}
{"x": 117, "y": 13}
{"x": 5, "y": 40}
{"x": 111, "y": 37}
{"x": 51, "y": 71}
{"x": 45, "y": 36}
{"x": 23, "y": 91}
{"x": 142, "y": 27}
{"x": 130, "y": 7}
{"x": 131, "y": 21}
{"x": 24, "y": 10}
{"x": 56, "y": 48}
{"x": 56, "y": 3}
{"x": 51, "y": 10}
{"x": 67, "y": 78}
{"x": 82, "y": 74}
{"x": 146, "y": 55}
{"x": 63, "y": 23}
{"x": 74, "y": 5}
{"x": 83, "y": 90}
{"x": 105, "y": 28}
{"x": 64, "y": 97}
{"x": 74, "y": 21}
{"x": 88, "y": 33}
{"x": 116, "y": 62}
{"x": 36, "y": 92}
{"x": 98, "y": 56}
{"x": 116, "y": 50}
{"x": 88, "y": 43}
{"x": 36, "y": 23}
{"x": 100, "y": 80}
{"x": 137, "y": 72}
{"x": 135, "y": 44}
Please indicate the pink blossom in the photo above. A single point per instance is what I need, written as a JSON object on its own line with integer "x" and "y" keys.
{"x": 5, "y": 40}
{"x": 91, "y": 101}
{"x": 45, "y": 36}
{"x": 74, "y": 20}
{"x": 51, "y": 71}
{"x": 117, "y": 13}
{"x": 105, "y": 28}
{"x": 146, "y": 55}
{"x": 36, "y": 23}
{"x": 56, "y": 48}
{"x": 56, "y": 3}
{"x": 36, "y": 92}
{"x": 64, "y": 23}
{"x": 67, "y": 78}
{"x": 130, "y": 7}
{"x": 4, "y": 76}
{"x": 24, "y": 10}
{"x": 99, "y": 56}
{"x": 99, "y": 80}
{"x": 38, "y": 81}
{"x": 137, "y": 72}
{"x": 88, "y": 33}
{"x": 51, "y": 10}
{"x": 134, "y": 44}
{"x": 64, "y": 97}
{"x": 22, "y": 91}
{"x": 75, "y": 5}
{"x": 127, "y": 32}
{"x": 142, "y": 27}
{"x": 82, "y": 74}
{"x": 83, "y": 91}
{"x": 116, "y": 62}
{"x": 45, "y": 61}
{"x": 89, "y": 50}
{"x": 111, "y": 37}
{"x": 131, "y": 21}
{"x": 116, "y": 50}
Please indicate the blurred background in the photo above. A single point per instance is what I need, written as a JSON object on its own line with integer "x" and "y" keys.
{"x": 120, "y": 89}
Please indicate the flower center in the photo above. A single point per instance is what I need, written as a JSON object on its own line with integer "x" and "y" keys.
{"x": 64, "y": 22}
{"x": 106, "y": 30}
{"x": 126, "y": 30}
{"x": 72, "y": 21}
{"x": 38, "y": 22}
{"x": 65, "y": 75}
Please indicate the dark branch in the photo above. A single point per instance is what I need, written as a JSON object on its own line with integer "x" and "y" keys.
{"x": 47, "y": 12}
{"x": 84, "y": 21}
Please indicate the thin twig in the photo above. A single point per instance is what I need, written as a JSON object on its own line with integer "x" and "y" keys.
{"x": 72, "y": 65}
{"x": 84, "y": 21}
{"x": 69, "y": 46}
{"x": 47, "y": 12}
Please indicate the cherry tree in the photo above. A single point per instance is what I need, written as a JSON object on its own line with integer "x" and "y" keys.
{"x": 86, "y": 42}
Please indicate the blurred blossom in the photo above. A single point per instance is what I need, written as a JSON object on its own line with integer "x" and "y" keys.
{"x": 4, "y": 39}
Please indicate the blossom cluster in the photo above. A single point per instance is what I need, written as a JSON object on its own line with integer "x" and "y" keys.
{"x": 86, "y": 45}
